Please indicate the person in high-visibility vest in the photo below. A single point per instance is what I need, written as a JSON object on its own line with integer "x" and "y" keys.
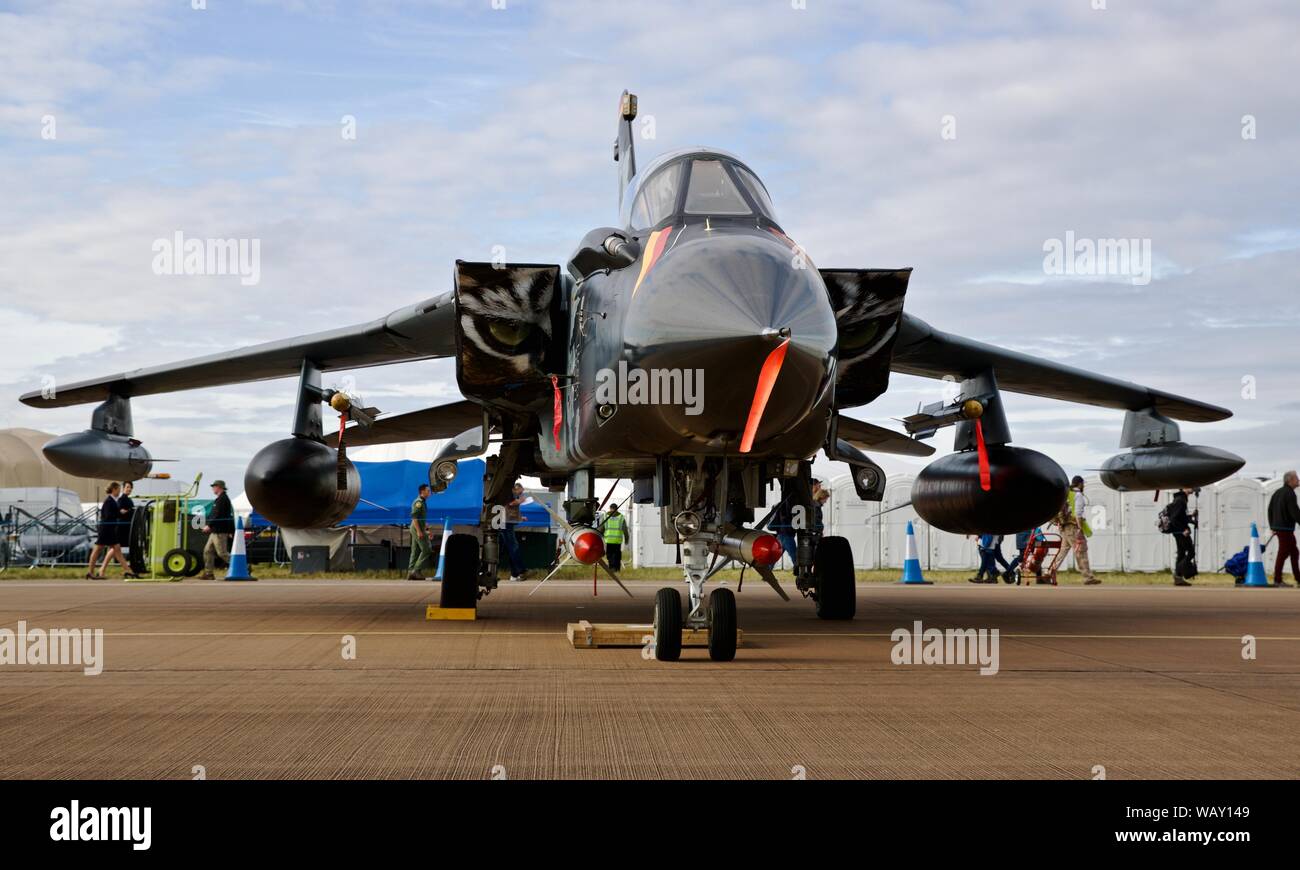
{"x": 614, "y": 528}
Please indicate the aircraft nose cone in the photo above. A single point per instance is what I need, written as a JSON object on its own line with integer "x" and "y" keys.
{"x": 721, "y": 305}
{"x": 731, "y": 288}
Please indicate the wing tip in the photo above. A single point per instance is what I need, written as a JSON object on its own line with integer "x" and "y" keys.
{"x": 1190, "y": 410}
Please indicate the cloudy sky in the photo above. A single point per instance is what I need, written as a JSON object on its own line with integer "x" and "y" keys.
{"x": 954, "y": 137}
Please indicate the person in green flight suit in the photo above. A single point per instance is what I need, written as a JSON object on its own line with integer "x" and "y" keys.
{"x": 421, "y": 550}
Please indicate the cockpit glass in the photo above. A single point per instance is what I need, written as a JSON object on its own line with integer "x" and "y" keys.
{"x": 756, "y": 192}
{"x": 712, "y": 192}
{"x": 658, "y": 197}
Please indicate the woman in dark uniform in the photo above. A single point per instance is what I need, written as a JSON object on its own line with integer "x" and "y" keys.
{"x": 122, "y": 528}
{"x": 107, "y": 535}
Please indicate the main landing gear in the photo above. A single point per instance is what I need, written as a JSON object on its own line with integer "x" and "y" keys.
{"x": 835, "y": 592}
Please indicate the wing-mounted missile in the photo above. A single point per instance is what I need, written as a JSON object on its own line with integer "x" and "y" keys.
{"x": 1159, "y": 459}
{"x": 987, "y": 486}
{"x": 299, "y": 482}
{"x": 106, "y": 450}
{"x": 929, "y": 419}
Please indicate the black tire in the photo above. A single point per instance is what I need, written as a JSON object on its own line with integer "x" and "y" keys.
{"x": 138, "y": 543}
{"x": 460, "y": 572}
{"x": 668, "y": 625}
{"x": 722, "y": 625}
{"x": 195, "y": 564}
{"x": 176, "y": 562}
{"x": 837, "y": 590}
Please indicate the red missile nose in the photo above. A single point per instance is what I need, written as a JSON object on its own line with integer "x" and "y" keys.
{"x": 767, "y": 550}
{"x": 588, "y": 548}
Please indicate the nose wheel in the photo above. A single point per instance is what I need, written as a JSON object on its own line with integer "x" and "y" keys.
{"x": 718, "y": 615}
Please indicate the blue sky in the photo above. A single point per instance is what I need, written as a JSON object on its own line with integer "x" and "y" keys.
{"x": 479, "y": 126}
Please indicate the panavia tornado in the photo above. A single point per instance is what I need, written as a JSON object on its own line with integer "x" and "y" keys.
{"x": 695, "y": 350}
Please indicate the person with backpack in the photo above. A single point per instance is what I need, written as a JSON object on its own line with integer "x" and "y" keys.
{"x": 1075, "y": 531}
{"x": 1178, "y": 520}
{"x": 1283, "y": 514}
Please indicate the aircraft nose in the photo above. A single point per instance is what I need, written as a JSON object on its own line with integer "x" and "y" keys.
{"x": 722, "y": 307}
{"x": 732, "y": 289}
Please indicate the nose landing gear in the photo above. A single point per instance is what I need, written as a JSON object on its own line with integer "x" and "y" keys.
{"x": 718, "y": 616}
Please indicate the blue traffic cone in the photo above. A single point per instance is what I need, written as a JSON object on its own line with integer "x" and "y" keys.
{"x": 912, "y": 562}
{"x": 442, "y": 547}
{"x": 1255, "y": 566}
{"x": 238, "y": 569}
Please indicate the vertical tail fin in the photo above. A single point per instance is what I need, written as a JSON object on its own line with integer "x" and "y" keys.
{"x": 624, "y": 152}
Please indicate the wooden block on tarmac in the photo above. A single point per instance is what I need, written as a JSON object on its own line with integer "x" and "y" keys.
{"x": 588, "y": 635}
{"x": 435, "y": 612}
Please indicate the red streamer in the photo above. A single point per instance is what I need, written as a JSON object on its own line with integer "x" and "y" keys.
{"x": 986, "y": 478}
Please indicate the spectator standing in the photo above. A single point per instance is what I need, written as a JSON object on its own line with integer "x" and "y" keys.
{"x": 1283, "y": 514}
{"x": 1181, "y": 521}
{"x": 514, "y": 515}
{"x": 421, "y": 550}
{"x": 220, "y": 529}
{"x": 614, "y": 529}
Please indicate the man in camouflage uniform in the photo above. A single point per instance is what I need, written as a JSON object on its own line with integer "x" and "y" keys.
{"x": 421, "y": 551}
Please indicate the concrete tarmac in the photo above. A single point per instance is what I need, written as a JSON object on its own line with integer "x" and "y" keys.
{"x": 249, "y": 680}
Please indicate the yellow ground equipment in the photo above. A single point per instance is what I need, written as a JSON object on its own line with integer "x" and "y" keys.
{"x": 166, "y": 536}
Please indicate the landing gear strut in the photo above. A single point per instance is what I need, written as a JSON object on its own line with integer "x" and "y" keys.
{"x": 717, "y": 616}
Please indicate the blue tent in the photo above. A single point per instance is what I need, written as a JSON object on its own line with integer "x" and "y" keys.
{"x": 393, "y": 486}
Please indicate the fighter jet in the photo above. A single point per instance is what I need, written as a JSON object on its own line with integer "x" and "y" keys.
{"x": 694, "y": 350}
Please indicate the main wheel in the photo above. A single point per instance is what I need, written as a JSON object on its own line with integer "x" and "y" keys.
{"x": 722, "y": 625}
{"x": 668, "y": 625}
{"x": 195, "y": 564}
{"x": 460, "y": 572}
{"x": 837, "y": 592}
{"x": 176, "y": 562}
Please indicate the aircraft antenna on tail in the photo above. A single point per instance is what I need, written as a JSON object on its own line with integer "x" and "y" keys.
{"x": 624, "y": 152}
